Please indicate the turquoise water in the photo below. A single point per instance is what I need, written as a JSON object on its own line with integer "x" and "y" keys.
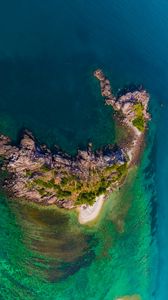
{"x": 48, "y": 51}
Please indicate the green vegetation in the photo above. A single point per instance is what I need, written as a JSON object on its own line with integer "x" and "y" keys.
{"x": 105, "y": 181}
{"x": 64, "y": 181}
{"x": 45, "y": 168}
{"x": 78, "y": 185}
{"x": 63, "y": 194}
{"x": 101, "y": 191}
{"x": 48, "y": 185}
{"x": 138, "y": 108}
{"x": 79, "y": 190}
{"x": 122, "y": 170}
{"x": 139, "y": 121}
{"x": 28, "y": 173}
{"x": 42, "y": 192}
{"x": 86, "y": 198}
{"x": 51, "y": 186}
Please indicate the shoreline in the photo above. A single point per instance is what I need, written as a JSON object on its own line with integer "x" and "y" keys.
{"x": 90, "y": 213}
{"x": 87, "y": 214}
{"x": 131, "y": 297}
{"x": 83, "y": 182}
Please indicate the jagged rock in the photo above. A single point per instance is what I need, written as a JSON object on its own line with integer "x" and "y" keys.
{"x": 28, "y": 142}
{"x": 36, "y": 174}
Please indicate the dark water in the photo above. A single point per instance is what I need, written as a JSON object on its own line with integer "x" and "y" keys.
{"x": 48, "y": 52}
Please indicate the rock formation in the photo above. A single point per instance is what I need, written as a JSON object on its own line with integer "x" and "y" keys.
{"x": 36, "y": 174}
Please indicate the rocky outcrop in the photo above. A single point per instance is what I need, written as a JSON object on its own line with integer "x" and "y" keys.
{"x": 38, "y": 175}
{"x": 28, "y": 162}
{"x": 126, "y": 102}
{"x": 133, "y": 109}
{"x": 105, "y": 86}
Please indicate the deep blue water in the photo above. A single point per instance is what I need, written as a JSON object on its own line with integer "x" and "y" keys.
{"x": 48, "y": 51}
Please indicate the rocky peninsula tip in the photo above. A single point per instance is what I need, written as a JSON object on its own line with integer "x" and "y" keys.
{"x": 83, "y": 182}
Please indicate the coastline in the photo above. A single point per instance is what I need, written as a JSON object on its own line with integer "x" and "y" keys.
{"x": 82, "y": 182}
{"x": 87, "y": 214}
{"x": 90, "y": 213}
{"x": 133, "y": 297}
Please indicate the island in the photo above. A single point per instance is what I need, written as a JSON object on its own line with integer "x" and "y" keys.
{"x": 84, "y": 181}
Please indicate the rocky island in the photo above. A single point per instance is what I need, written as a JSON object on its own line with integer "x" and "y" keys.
{"x": 36, "y": 174}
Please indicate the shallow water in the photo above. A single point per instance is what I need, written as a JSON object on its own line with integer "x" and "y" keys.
{"x": 56, "y": 257}
{"x": 48, "y": 51}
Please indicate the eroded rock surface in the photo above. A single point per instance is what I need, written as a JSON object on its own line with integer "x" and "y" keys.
{"x": 38, "y": 175}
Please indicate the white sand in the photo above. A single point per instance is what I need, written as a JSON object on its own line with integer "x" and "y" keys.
{"x": 133, "y": 297}
{"x": 89, "y": 213}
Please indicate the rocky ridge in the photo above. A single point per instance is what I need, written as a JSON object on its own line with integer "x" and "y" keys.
{"x": 38, "y": 175}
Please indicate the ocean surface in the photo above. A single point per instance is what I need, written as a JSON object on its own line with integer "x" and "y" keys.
{"x": 48, "y": 52}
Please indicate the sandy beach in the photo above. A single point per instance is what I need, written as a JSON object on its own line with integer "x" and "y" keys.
{"x": 133, "y": 297}
{"x": 89, "y": 213}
